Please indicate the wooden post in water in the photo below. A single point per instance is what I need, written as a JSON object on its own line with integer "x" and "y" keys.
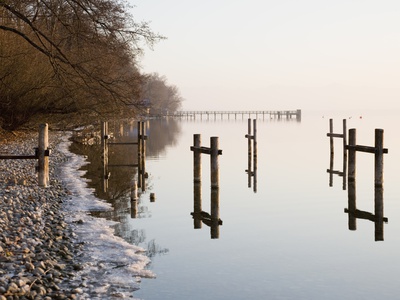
{"x": 197, "y": 158}
{"x": 143, "y": 155}
{"x": 197, "y": 207}
{"x": 378, "y": 157}
{"x": 352, "y": 155}
{"x": 43, "y": 155}
{"x": 214, "y": 162}
{"x": 331, "y": 137}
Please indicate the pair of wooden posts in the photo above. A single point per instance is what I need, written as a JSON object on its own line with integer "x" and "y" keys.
{"x": 252, "y": 172}
{"x": 212, "y": 220}
{"x": 352, "y": 147}
{"x": 42, "y": 153}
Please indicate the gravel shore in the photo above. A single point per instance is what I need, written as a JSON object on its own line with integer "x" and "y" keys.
{"x": 37, "y": 255}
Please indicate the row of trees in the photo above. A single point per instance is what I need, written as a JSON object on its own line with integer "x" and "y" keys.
{"x": 63, "y": 57}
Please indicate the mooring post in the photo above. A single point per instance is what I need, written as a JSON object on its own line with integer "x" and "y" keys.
{"x": 352, "y": 155}
{"x": 196, "y": 158}
{"x": 43, "y": 158}
{"x": 214, "y": 162}
{"x": 379, "y": 157}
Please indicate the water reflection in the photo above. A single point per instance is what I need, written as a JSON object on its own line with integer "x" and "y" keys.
{"x": 252, "y": 155}
{"x": 125, "y": 163}
{"x": 349, "y": 159}
{"x": 354, "y": 214}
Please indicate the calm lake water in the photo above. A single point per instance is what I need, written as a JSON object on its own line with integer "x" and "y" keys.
{"x": 285, "y": 236}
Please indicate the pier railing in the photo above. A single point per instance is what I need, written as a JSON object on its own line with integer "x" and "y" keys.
{"x": 276, "y": 114}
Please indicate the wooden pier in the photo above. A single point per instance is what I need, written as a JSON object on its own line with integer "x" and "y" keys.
{"x": 214, "y": 114}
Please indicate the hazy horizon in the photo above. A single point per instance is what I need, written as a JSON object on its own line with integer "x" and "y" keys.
{"x": 277, "y": 55}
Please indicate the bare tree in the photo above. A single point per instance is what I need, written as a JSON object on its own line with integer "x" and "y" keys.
{"x": 76, "y": 55}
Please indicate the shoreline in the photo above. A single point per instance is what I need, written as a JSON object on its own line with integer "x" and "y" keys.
{"x": 37, "y": 252}
{"x": 43, "y": 254}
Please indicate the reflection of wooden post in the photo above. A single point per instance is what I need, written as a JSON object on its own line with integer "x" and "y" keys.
{"x": 352, "y": 206}
{"x": 379, "y": 213}
{"x": 134, "y": 209}
{"x": 378, "y": 157}
{"x": 249, "y": 153}
{"x": 352, "y": 155}
{"x": 134, "y": 190}
{"x": 104, "y": 147}
{"x": 214, "y": 162}
{"x": 214, "y": 213}
{"x": 43, "y": 155}
{"x": 197, "y": 207}
{"x": 255, "y": 155}
{"x": 197, "y": 158}
{"x": 331, "y": 136}
{"x": 143, "y": 155}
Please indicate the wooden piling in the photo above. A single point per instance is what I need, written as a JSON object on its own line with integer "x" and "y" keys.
{"x": 197, "y": 158}
{"x": 331, "y": 137}
{"x": 104, "y": 147}
{"x": 43, "y": 158}
{"x": 214, "y": 162}
{"x": 378, "y": 157}
{"x": 255, "y": 155}
{"x": 352, "y": 155}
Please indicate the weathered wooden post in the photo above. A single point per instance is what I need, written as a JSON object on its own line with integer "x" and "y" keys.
{"x": 197, "y": 158}
{"x": 378, "y": 157}
{"x": 352, "y": 155}
{"x": 331, "y": 137}
{"x": 214, "y": 162}
{"x": 43, "y": 155}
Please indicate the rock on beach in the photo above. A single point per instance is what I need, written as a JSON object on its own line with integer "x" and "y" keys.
{"x": 36, "y": 249}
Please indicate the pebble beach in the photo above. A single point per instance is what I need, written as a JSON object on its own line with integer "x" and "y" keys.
{"x": 37, "y": 252}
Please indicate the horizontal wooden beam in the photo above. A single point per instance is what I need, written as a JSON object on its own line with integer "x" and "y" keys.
{"x": 204, "y": 150}
{"x": 367, "y": 149}
{"x": 338, "y": 135}
{"x": 359, "y": 214}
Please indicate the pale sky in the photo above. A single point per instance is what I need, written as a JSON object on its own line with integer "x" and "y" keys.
{"x": 281, "y": 54}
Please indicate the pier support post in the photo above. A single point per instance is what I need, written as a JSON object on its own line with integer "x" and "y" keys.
{"x": 378, "y": 157}
{"x": 352, "y": 155}
{"x": 214, "y": 162}
{"x": 197, "y": 158}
